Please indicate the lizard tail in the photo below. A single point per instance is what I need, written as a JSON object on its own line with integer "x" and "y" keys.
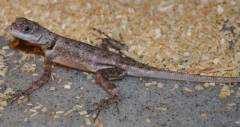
{"x": 173, "y": 75}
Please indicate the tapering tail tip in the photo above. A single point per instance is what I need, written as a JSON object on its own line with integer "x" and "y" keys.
{"x": 172, "y": 75}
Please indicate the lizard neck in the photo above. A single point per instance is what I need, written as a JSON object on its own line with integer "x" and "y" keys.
{"x": 50, "y": 41}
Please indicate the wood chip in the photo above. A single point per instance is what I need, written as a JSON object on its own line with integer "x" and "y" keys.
{"x": 3, "y": 64}
{"x": 98, "y": 123}
{"x": 204, "y": 115}
{"x": 212, "y": 84}
{"x": 87, "y": 121}
{"x": 32, "y": 110}
{"x": 68, "y": 85}
{"x": 34, "y": 114}
{"x": 52, "y": 88}
{"x": 67, "y": 113}
{"x": 59, "y": 112}
{"x": 148, "y": 84}
{"x": 28, "y": 68}
{"x": 35, "y": 74}
{"x": 198, "y": 87}
{"x": 39, "y": 106}
{"x": 206, "y": 85}
{"x": 77, "y": 107}
{"x": 5, "y": 47}
{"x": 161, "y": 108}
{"x": 224, "y": 92}
{"x": 160, "y": 85}
{"x": 83, "y": 113}
{"x": 25, "y": 119}
{"x": 238, "y": 122}
{"x": 186, "y": 89}
{"x": 232, "y": 104}
{"x": 44, "y": 109}
{"x": 147, "y": 120}
{"x": 176, "y": 86}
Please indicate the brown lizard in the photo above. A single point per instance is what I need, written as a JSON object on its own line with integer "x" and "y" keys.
{"x": 106, "y": 65}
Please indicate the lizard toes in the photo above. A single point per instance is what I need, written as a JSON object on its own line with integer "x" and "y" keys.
{"x": 17, "y": 96}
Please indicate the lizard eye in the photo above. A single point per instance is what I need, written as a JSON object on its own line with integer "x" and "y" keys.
{"x": 27, "y": 29}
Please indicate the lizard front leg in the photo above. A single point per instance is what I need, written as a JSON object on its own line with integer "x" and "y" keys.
{"x": 103, "y": 78}
{"x": 108, "y": 42}
{"x": 44, "y": 78}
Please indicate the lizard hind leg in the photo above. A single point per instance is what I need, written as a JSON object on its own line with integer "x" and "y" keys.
{"x": 103, "y": 78}
{"x": 109, "y": 43}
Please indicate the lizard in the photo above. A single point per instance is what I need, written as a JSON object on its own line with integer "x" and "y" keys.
{"x": 105, "y": 64}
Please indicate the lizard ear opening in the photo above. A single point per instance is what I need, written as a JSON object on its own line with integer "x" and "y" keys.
{"x": 51, "y": 45}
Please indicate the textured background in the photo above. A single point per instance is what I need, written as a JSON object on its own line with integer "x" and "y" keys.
{"x": 194, "y": 37}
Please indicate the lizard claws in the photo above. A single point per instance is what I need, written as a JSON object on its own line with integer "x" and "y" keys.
{"x": 17, "y": 96}
{"x": 104, "y": 104}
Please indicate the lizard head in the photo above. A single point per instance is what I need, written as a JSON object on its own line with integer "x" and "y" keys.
{"x": 27, "y": 30}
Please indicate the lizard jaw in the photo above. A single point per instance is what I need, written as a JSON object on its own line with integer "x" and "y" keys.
{"x": 29, "y": 38}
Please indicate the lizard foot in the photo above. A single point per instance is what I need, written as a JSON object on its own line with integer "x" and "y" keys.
{"x": 17, "y": 96}
{"x": 104, "y": 104}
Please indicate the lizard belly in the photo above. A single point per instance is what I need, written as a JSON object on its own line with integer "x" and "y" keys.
{"x": 77, "y": 63}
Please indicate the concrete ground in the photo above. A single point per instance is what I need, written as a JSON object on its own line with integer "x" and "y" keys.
{"x": 168, "y": 104}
